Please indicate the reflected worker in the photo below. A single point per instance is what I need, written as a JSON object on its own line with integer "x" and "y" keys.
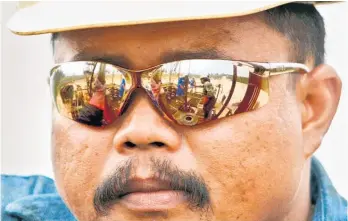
{"x": 122, "y": 87}
{"x": 180, "y": 91}
{"x": 79, "y": 96}
{"x": 208, "y": 97}
{"x": 193, "y": 85}
{"x": 97, "y": 112}
{"x": 156, "y": 86}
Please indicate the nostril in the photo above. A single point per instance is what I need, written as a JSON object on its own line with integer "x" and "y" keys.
{"x": 130, "y": 144}
{"x": 157, "y": 144}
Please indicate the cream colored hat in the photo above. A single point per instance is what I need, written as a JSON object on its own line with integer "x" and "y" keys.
{"x": 34, "y": 18}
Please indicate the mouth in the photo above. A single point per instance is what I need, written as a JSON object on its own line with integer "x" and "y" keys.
{"x": 151, "y": 195}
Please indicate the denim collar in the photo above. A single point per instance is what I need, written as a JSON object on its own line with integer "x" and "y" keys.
{"x": 40, "y": 207}
{"x": 328, "y": 204}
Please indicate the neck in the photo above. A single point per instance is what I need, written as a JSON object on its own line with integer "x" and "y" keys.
{"x": 302, "y": 208}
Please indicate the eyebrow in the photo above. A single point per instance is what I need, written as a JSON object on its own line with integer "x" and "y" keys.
{"x": 182, "y": 55}
{"x": 169, "y": 56}
{"x": 118, "y": 60}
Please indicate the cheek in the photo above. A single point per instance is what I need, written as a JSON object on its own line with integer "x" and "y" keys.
{"x": 76, "y": 174}
{"x": 252, "y": 157}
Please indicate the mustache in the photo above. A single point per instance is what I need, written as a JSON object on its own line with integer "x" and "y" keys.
{"x": 115, "y": 186}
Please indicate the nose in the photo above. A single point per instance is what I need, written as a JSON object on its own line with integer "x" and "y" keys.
{"x": 143, "y": 128}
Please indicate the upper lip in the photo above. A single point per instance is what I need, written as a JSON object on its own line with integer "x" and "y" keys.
{"x": 146, "y": 185}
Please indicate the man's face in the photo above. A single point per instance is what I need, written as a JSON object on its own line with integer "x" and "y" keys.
{"x": 249, "y": 166}
{"x": 97, "y": 84}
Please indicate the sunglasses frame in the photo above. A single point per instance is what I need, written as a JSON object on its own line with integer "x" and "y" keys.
{"x": 262, "y": 69}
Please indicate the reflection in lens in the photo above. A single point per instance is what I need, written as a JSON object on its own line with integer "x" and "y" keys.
{"x": 191, "y": 92}
{"x": 89, "y": 92}
{"x": 188, "y": 92}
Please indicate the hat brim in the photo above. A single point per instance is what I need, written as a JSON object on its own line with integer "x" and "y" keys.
{"x": 50, "y": 17}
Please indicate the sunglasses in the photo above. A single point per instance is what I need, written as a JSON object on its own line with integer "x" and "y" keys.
{"x": 187, "y": 92}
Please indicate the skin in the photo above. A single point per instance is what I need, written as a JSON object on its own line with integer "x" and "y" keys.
{"x": 256, "y": 164}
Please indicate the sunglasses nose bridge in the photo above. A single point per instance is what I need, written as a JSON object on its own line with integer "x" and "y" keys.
{"x": 137, "y": 86}
{"x": 136, "y": 77}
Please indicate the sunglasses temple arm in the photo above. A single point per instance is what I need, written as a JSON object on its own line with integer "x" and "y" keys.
{"x": 272, "y": 69}
{"x": 285, "y": 68}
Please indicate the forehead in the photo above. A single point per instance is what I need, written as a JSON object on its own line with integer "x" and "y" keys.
{"x": 142, "y": 46}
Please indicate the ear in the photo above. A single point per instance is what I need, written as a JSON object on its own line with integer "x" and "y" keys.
{"x": 318, "y": 93}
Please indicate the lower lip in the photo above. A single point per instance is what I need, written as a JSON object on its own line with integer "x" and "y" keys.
{"x": 153, "y": 201}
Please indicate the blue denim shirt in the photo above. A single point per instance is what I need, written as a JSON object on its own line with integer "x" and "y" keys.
{"x": 35, "y": 198}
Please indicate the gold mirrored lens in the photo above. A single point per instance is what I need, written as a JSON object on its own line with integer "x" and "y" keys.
{"x": 92, "y": 93}
{"x": 191, "y": 92}
{"x": 188, "y": 92}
